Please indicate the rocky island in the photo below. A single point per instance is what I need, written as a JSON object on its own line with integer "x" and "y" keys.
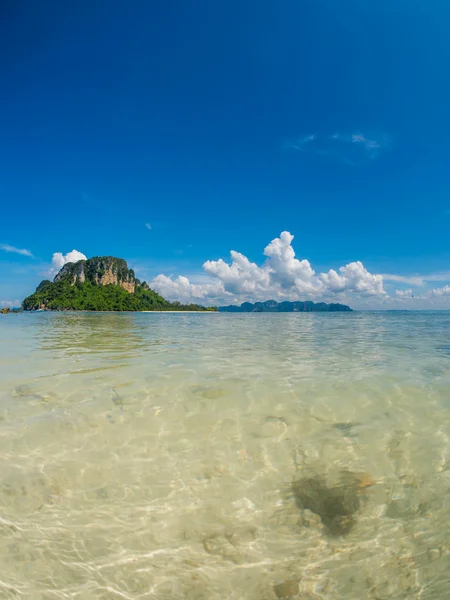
{"x": 298, "y": 306}
{"x": 102, "y": 283}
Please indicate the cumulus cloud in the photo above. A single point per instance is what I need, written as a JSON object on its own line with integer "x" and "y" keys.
{"x": 354, "y": 277}
{"x": 180, "y": 288}
{"x": 8, "y": 248}
{"x": 59, "y": 260}
{"x": 351, "y": 148}
{"x": 281, "y": 276}
{"x": 438, "y": 292}
{"x": 286, "y": 270}
{"x": 241, "y": 276}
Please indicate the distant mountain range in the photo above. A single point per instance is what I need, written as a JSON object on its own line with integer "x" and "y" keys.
{"x": 273, "y": 306}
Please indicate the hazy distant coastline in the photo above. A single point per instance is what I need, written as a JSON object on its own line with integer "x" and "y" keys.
{"x": 297, "y": 306}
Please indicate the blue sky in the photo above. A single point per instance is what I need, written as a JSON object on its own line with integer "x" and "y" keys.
{"x": 220, "y": 125}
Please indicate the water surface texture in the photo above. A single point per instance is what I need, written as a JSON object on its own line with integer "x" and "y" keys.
{"x": 181, "y": 456}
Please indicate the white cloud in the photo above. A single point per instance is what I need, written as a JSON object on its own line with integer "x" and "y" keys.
{"x": 438, "y": 292}
{"x": 443, "y": 276}
{"x": 9, "y": 303}
{"x": 411, "y": 280}
{"x": 288, "y": 271}
{"x": 281, "y": 276}
{"x": 351, "y": 148}
{"x": 404, "y": 293}
{"x": 59, "y": 260}
{"x": 354, "y": 278}
{"x": 183, "y": 290}
{"x": 359, "y": 138}
{"x": 436, "y": 298}
{"x": 418, "y": 280}
{"x": 148, "y": 225}
{"x": 241, "y": 276}
{"x": 8, "y": 248}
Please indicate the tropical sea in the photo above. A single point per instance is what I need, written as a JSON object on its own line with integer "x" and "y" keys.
{"x": 225, "y": 456}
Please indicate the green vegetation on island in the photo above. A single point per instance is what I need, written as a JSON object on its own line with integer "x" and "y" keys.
{"x": 298, "y": 306}
{"x": 100, "y": 284}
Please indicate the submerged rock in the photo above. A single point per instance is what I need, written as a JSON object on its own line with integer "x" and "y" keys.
{"x": 345, "y": 428}
{"x": 287, "y": 589}
{"x": 336, "y": 505}
{"x": 233, "y": 545}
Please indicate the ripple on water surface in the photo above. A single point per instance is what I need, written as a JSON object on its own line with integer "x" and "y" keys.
{"x": 212, "y": 456}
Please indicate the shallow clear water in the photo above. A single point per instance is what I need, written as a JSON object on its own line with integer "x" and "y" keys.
{"x": 154, "y": 455}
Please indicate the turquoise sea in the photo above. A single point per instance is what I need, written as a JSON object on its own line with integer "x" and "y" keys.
{"x": 160, "y": 456}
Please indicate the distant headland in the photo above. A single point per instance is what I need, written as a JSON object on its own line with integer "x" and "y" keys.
{"x": 102, "y": 283}
{"x": 297, "y": 306}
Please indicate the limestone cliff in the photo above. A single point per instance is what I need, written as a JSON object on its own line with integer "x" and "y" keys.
{"x": 100, "y": 270}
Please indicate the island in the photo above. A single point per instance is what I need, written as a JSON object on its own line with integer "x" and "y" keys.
{"x": 297, "y": 306}
{"x": 102, "y": 283}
